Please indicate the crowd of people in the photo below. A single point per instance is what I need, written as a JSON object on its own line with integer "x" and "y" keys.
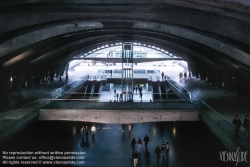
{"x": 136, "y": 145}
{"x": 238, "y": 124}
{"x": 85, "y": 132}
{"x": 184, "y": 75}
{"x": 136, "y": 152}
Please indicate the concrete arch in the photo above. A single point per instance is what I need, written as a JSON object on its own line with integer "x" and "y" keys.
{"x": 227, "y": 49}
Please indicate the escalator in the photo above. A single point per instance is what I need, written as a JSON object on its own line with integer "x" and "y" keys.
{"x": 164, "y": 96}
{"x": 97, "y": 88}
{"x": 170, "y": 93}
{"x": 88, "y": 89}
{"x": 156, "y": 91}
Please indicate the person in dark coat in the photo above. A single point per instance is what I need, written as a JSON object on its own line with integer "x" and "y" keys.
{"x": 67, "y": 77}
{"x": 135, "y": 156}
{"x": 237, "y": 124}
{"x": 157, "y": 152}
{"x": 167, "y": 149}
{"x": 163, "y": 147}
{"x": 147, "y": 156}
{"x": 246, "y": 125}
{"x": 146, "y": 140}
{"x": 133, "y": 142}
{"x": 86, "y": 132}
{"x": 123, "y": 126}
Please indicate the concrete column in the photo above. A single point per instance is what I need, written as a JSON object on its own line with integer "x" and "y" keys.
{"x": 196, "y": 68}
{"x": 5, "y": 82}
{"x": 247, "y": 81}
{"x": 218, "y": 79}
{"x": 5, "y": 86}
{"x": 191, "y": 69}
{"x": 241, "y": 84}
{"x": 19, "y": 79}
{"x": 52, "y": 72}
{"x": 62, "y": 69}
{"x": 38, "y": 76}
{"x": 228, "y": 81}
{"x": 57, "y": 69}
{"x": 67, "y": 68}
{"x": 202, "y": 72}
{"x": 211, "y": 74}
{"x": 29, "y": 79}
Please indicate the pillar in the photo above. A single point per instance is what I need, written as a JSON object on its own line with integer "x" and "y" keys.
{"x": 5, "y": 86}
{"x": 240, "y": 84}
{"x": 202, "y": 72}
{"x": 62, "y": 69}
{"x": 218, "y": 79}
{"x": 197, "y": 74}
{"x": 57, "y": 69}
{"x": 191, "y": 69}
{"x": 19, "y": 78}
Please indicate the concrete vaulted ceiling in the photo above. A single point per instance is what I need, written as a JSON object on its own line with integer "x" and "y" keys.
{"x": 38, "y": 33}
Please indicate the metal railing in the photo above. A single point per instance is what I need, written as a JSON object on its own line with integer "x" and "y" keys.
{"x": 225, "y": 125}
{"x": 12, "y": 117}
{"x": 60, "y": 91}
{"x": 180, "y": 89}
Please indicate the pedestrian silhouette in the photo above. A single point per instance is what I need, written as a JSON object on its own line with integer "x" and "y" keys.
{"x": 146, "y": 140}
{"x": 237, "y": 124}
{"x": 133, "y": 142}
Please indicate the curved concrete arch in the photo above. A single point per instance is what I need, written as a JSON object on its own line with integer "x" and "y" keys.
{"x": 42, "y": 34}
{"x": 227, "y": 49}
{"x": 67, "y": 51}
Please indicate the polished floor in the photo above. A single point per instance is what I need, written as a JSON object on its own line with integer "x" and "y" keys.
{"x": 191, "y": 143}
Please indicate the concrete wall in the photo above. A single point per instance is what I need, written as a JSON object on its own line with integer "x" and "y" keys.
{"x": 118, "y": 116}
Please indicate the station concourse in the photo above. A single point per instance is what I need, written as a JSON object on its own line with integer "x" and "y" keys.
{"x": 39, "y": 39}
{"x": 112, "y": 146}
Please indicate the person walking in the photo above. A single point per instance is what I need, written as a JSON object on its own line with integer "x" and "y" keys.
{"x": 146, "y": 140}
{"x": 139, "y": 142}
{"x": 60, "y": 79}
{"x": 86, "y": 132}
{"x": 189, "y": 76}
{"x": 163, "y": 147}
{"x": 114, "y": 92}
{"x": 133, "y": 142}
{"x": 136, "y": 89}
{"x": 111, "y": 72}
{"x": 162, "y": 75}
{"x": 123, "y": 126}
{"x": 185, "y": 75}
{"x": 237, "y": 124}
{"x": 135, "y": 156}
{"x": 117, "y": 96}
{"x": 82, "y": 131}
{"x": 167, "y": 149}
{"x": 93, "y": 130}
{"x": 147, "y": 157}
{"x": 157, "y": 152}
{"x": 129, "y": 127}
{"x": 246, "y": 125}
{"x": 67, "y": 77}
